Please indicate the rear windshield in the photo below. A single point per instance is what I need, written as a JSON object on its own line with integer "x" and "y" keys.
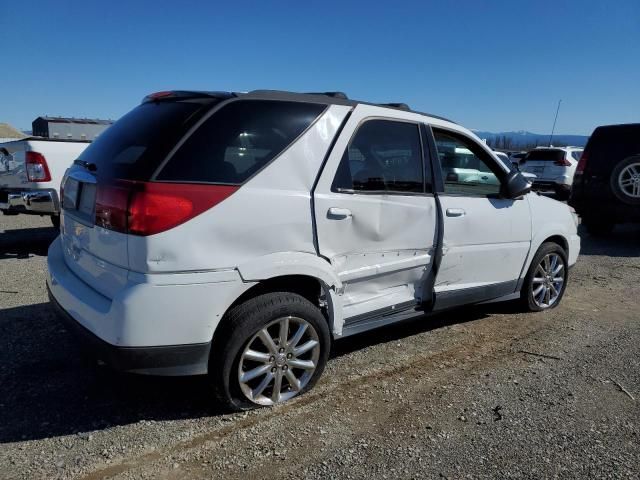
{"x": 134, "y": 146}
{"x": 545, "y": 155}
{"x": 238, "y": 140}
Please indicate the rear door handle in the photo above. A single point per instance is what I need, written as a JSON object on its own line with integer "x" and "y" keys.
{"x": 455, "y": 212}
{"x": 337, "y": 213}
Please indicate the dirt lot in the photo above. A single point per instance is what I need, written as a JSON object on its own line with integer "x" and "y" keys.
{"x": 484, "y": 392}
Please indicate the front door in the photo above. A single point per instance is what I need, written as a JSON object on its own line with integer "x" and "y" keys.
{"x": 375, "y": 213}
{"x": 486, "y": 237}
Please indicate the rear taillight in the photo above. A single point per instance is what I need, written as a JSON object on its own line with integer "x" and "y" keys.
{"x": 582, "y": 163}
{"x": 563, "y": 162}
{"x": 146, "y": 208}
{"x": 37, "y": 169}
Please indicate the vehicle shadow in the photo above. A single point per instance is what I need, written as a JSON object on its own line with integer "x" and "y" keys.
{"x": 50, "y": 389}
{"x": 624, "y": 241}
{"x": 21, "y": 243}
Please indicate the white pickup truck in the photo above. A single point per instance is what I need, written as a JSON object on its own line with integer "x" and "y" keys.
{"x": 31, "y": 170}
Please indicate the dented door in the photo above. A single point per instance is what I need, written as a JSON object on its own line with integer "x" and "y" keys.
{"x": 375, "y": 224}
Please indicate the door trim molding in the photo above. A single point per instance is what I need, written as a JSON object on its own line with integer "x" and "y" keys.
{"x": 466, "y": 296}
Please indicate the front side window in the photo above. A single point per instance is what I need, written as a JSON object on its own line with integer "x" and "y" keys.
{"x": 383, "y": 156}
{"x": 466, "y": 168}
{"x": 238, "y": 140}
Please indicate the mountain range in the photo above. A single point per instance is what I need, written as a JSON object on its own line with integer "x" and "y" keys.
{"x": 523, "y": 138}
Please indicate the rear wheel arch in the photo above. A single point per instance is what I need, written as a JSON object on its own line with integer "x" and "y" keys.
{"x": 313, "y": 289}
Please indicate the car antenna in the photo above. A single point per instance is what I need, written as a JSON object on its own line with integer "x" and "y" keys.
{"x": 554, "y": 122}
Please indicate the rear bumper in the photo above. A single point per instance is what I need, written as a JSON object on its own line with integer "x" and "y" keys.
{"x": 574, "y": 249}
{"x": 171, "y": 360}
{"x": 30, "y": 201}
{"x": 549, "y": 185}
{"x": 149, "y": 325}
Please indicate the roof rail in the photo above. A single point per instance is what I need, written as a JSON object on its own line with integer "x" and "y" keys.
{"x": 341, "y": 95}
{"x": 399, "y": 106}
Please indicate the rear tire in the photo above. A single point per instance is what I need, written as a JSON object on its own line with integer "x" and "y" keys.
{"x": 548, "y": 273}
{"x": 563, "y": 194}
{"x": 238, "y": 350}
{"x": 598, "y": 226}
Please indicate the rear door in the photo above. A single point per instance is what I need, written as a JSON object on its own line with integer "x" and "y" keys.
{"x": 486, "y": 237}
{"x": 375, "y": 213}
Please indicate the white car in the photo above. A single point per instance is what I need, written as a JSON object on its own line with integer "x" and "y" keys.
{"x": 31, "y": 170}
{"x": 553, "y": 167}
{"x": 239, "y": 234}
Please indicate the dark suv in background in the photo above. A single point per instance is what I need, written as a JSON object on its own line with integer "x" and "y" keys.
{"x": 606, "y": 185}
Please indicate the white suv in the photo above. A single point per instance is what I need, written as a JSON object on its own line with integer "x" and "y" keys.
{"x": 553, "y": 167}
{"x": 240, "y": 234}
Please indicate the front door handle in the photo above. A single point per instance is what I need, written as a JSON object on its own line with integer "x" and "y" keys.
{"x": 455, "y": 212}
{"x": 337, "y": 213}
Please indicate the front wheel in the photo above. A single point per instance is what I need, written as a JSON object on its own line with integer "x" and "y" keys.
{"x": 270, "y": 349}
{"x": 546, "y": 279}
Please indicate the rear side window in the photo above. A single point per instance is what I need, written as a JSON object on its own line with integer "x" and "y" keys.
{"x": 383, "y": 156}
{"x": 134, "y": 146}
{"x": 576, "y": 154}
{"x": 545, "y": 155}
{"x": 238, "y": 140}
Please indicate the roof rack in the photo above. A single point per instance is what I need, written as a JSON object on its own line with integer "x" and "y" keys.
{"x": 341, "y": 95}
{"x": 398, "y": 105}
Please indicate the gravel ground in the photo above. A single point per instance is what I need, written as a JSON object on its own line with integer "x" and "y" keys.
{"x": 483, "y": 392}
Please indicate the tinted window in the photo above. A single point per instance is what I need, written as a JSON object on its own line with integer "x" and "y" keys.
{"x": 466, "y": 168}
{"x": 383, "y": 156}
{"x": 238, "y": 140}
{"x": 134, "y": 146}
{"x": 576, "y": 154}
{"x": 545, "y": 155}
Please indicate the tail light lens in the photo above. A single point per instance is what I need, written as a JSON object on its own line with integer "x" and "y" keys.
{"x": 37, "y": 168}
{"x": 563, "y": 162}
{"x": 146, "y": 208}
{"x": 582, "y": 163}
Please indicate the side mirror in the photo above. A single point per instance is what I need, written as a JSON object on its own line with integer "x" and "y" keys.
{"x": 515, "y": 185}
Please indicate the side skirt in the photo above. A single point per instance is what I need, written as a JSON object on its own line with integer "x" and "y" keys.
{"x": 381, "y": 318}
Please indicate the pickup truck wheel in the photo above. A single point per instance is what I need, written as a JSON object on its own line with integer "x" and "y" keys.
{"x": 271, "y": 348}
{"x": 625, "y": 180}
{"x": 55, "y": 220}
{"x": 546, "y": 279}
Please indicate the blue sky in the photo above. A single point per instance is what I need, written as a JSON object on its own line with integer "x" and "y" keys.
{"x": 489, "y": 65}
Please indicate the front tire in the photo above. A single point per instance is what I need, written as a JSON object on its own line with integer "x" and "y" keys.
{"x": 546, "y": 279}
{"x": 269, "y": 349}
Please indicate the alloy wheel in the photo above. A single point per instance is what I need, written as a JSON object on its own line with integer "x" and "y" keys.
{"x": 279, "y": 361}
{"x": 548, "y": 280}
{"x": 629, "y": 180}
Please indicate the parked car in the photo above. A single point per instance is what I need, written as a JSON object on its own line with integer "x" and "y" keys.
{"x": 31, "y": 170}
{"x": 502, "y": 156}
{"x": 516, "y": 157}
{"x": 553, "y": 167}
{"x": 240, "y": 234}
{"x": 606, "y": 188}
